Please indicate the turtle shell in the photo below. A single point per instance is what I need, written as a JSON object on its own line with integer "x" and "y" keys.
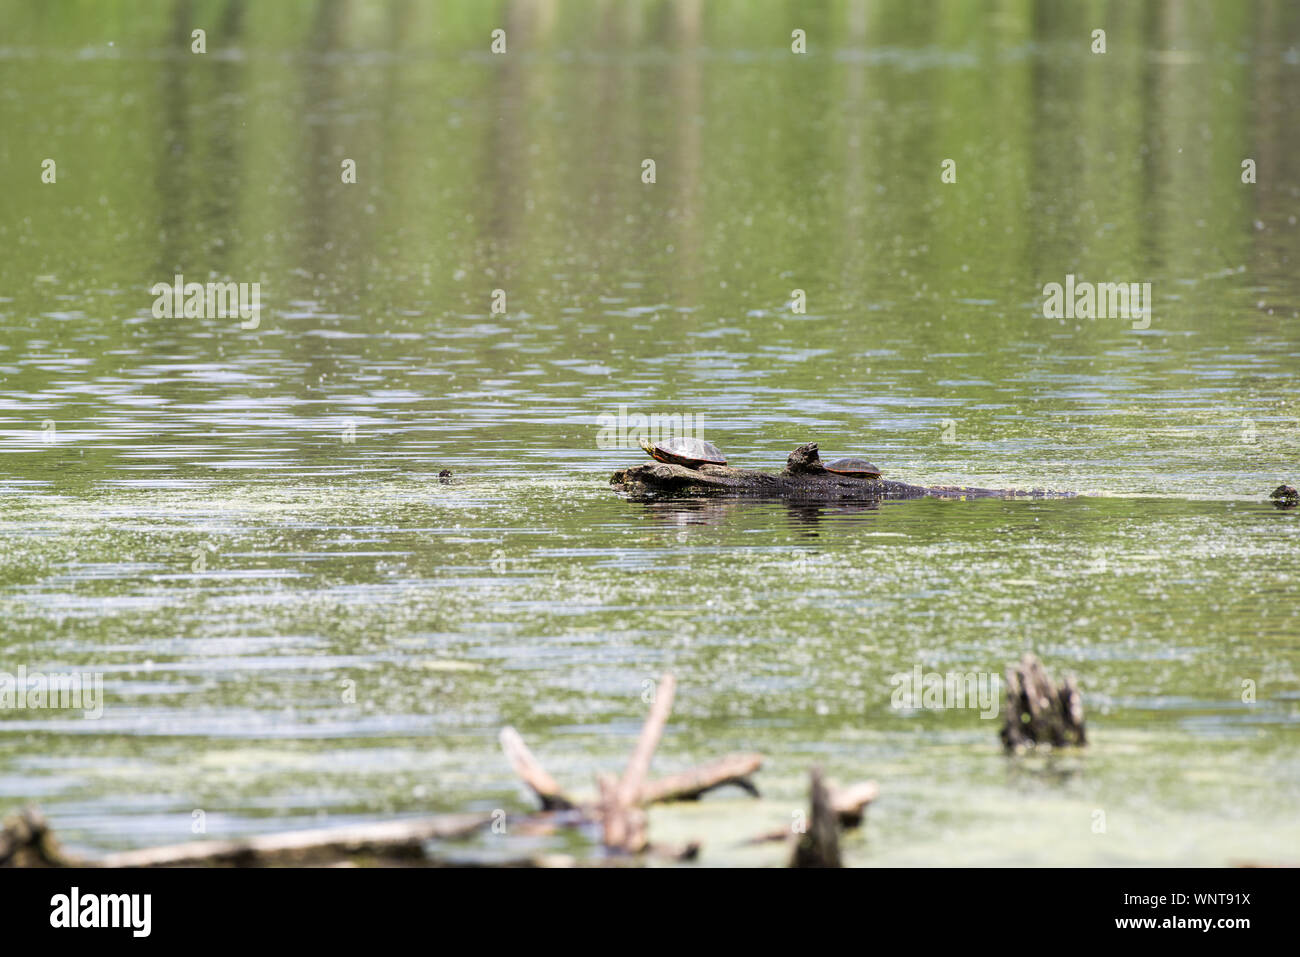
{"x": 686, "y": 451}
{"x": 858, "y": 468}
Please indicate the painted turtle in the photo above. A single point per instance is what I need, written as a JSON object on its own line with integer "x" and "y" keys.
{"x": 1285, "y": 496}
{"x": 685, "y": 451}
{"x": 857, "y": 468}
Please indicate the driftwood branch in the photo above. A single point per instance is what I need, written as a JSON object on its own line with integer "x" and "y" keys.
{"x": 850, "y": 803}
{"x": 1038, "y": 712}
{"x": 648, "y": 741}
{"x": 531, "y": 771}
{"x": 690, "y": 784}
{"x": 624, "y": 819}
{"x": 620, "y": 802}
{"x": 391, "y": 839}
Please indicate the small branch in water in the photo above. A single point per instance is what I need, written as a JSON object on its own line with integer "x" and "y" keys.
{"x": 648, "y": 741}
{"x": 850, "y": 803}
{"x": 690, "y": 784}
{"x": 621, "y": 803}
{"x": 532, "y": 773}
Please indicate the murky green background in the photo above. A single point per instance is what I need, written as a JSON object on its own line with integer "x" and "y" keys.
{"x": 526, "y": 592}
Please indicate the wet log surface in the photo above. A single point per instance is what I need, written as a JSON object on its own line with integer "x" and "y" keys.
{"x": 804, "y": 477}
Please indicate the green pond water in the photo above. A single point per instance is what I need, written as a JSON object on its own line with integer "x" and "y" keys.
{"x": 297, "y": 624}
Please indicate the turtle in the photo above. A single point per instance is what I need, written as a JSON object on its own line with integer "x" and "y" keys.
{"x": 685, "y": 451}
{"x": 854, "y": 467}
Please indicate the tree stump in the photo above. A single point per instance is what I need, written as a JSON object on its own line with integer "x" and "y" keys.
{"x": 1037, "y": 712}
{"x": 26, "y": 841}
{"x": 819, "y": 846}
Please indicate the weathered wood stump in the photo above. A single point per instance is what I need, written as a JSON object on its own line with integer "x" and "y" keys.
{"x": 819, "y": 845}
{"x": 1037, "y": 712}
{"x": 27, "y": 841}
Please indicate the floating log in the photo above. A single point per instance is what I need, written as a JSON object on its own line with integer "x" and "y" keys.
{"x": 819, "y": 845}
{"x": 1038, "y": 712}
{"x": 393, "y": 840}
{"x": 804, "y": 477}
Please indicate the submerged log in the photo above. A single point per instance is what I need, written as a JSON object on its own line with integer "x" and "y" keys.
{"x": 804, "y": 477}
{"x": 1037, "y": 712}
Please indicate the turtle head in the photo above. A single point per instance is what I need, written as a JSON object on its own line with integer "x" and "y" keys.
{"x": 645, "y": 444}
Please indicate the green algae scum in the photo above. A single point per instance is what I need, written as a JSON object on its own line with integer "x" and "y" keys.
{"x": 257, "y": 296}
